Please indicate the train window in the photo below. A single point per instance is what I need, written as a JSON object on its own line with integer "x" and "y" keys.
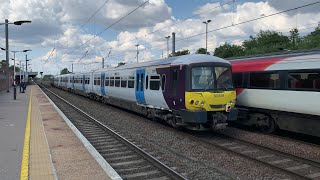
{"x": 163, "y": 82}
{"x": 111, "y": 81}
{"x": 154, "y": 82}
{"x": 131, "y": 82}
{"x": 123, "y": 82}
{"x": 147, "y": 81}
{"x": 137, "y": 83}
{"x": 106, "y": 81}
{"x": 98, "y": 81}
{"x": 117, "y": 82}
{"x": 264, "y": 80}
{"x": 141, "y": 85}
{"x": 237, "y": 80}
{"x": 304, "y": 80}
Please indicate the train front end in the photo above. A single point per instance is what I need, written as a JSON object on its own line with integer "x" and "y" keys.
{"x": 210, "y": 96}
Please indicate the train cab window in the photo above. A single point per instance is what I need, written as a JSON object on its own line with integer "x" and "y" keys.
{"x": 117, "y": 82}
{"x": 147, "y": 82}
{"x": 264, "y": 80}
{"x": 154, "y": 82}
{"x": 237, "y": 80}
{"x": 131, "y": 82}
{"x": 106, "y": 81}
{"x": 304, "y": 80}
{"x": 123, "y": 82}
{"x": 163, "y": 82}
{"x": 111, "y": 81}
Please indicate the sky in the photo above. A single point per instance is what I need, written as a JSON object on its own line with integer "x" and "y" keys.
{"x": 79, "y": 32}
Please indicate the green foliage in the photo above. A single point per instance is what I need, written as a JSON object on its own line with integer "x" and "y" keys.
{"x": 228, "y": 50}
{"x": 121, "y": 64}
{"x": 181, "y": 53}
{"x": 3, "y": 63}
{"x": 17, "y": 68}
{"x": 311, "y": 40}
{"x": 201, "y": 51}
{"x": 64, "y": 71}
{"x": 294, "y": 38}
{"x": 269, "y": 42}
{"x": 265, "y": 42}
{"x": 47, "y": 77}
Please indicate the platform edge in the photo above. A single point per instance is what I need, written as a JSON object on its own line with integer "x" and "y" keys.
{"x": 95, "y": 154}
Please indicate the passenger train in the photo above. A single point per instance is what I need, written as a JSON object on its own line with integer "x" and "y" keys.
{"x": 192, "y": 91}
{"x": 279, "y": 91}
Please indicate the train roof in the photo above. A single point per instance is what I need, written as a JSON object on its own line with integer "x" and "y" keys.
{"x": 277, "y": 55}
{"x": 177, "y": 60}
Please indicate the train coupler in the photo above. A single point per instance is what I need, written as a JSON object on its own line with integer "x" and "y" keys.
{"x": 219, "y": 121}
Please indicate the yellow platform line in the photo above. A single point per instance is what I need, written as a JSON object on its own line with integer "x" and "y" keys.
{"x": 26, "y": 146}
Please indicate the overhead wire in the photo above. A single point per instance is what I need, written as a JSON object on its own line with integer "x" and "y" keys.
{"x": 49, "y": 55}
{"x": 225, "y": 27}
{"x": 90, "y": 18}
{"x": 114, "y": 23}
{"x": 178, "y": 22}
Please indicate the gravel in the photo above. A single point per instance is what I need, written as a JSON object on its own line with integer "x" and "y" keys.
{"x": 297, "y": 148}
{"x": 194, "y": 159}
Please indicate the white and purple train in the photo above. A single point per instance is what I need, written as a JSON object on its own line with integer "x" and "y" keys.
{"x": 192, "y": 91}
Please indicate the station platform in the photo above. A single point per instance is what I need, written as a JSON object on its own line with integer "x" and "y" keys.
{"x": 36, "y": 143}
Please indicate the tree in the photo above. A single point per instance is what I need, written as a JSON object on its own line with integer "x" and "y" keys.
{"x": 121, "y": 64}
{"x": 201, "y": 51}
{"x": 47, "y": 77}
{"x": 64, "y": 71}
{"x": 265, "y": 42}
{"x": 181, "y": 53}
{"x": 227, "y": 50}
{"x": 17, "y": 68}
{"x": 311, "y": 40}
{"x": 2, "y": 64}
{"x": 294, "y": 37}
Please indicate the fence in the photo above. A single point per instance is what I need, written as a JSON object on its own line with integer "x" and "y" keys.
{"x": 3, "y": 80}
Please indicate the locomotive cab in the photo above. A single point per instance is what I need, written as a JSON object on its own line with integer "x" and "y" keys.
{"x": 204, "y": 92}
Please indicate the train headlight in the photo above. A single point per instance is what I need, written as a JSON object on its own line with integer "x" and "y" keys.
{"x": 202, "y": 104}
{"x": 196, "y": 103}
{"x": 191, "y": 101}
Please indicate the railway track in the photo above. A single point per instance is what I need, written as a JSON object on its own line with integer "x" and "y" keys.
{"x": 298, "y": 167}
{"x": 128, "y": 160}
{"x": 295, "y": 166}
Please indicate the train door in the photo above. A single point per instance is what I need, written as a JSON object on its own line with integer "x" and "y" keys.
{"x": 139, "y": 89}
{"x": 177, "y": 87}
{"x": 102, "y": 87}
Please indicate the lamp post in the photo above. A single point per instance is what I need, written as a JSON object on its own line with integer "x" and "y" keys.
{"x": 206, "y": 22}
{"x": 167, "y": 37}
{"x": 137, "y": 52}
{"x": 20, "y": 64}
{"x": 14, "y": 71}
{"x": 26, "y": 77}
{"x": 6, "y": 23}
